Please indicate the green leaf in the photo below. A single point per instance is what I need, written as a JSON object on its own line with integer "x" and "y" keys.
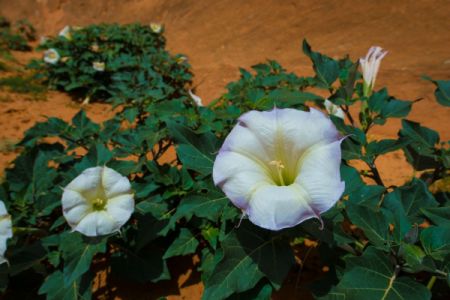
{"x": 326, "y": 68}
{"x": 373, "y": 277}
{"x": 55, "y": 288}
{"x": 185, "y": 244}
{"x": 373, "y": 222}
{"x": 77, "y": 255}
{"x": 438, "y": 215}
{"x": 442, "y": 92}
{"x": 250, "y": 253}
{"x": 436, "y": 241}
{"x": 209, "y": 207}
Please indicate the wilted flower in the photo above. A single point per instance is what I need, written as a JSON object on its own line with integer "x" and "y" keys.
{"x": 64, "y": 59}
{"x": 370, "y": 65}
{"x": 95, "y": 48}
{"x": 98, "y": 202}
{"x": 51, "y": 56}
{"x": 155, "y": 27}
{"x": 281, "y": 167}
{"x": 197, "y": 99}
{"x": 333, "y": 109}
{"x": 5, "y": 230}
{"x": 66, "y": 32}
{"x": 98, "y": 66}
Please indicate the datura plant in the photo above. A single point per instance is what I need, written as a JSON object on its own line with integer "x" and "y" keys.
{"x": 274, "y": 183}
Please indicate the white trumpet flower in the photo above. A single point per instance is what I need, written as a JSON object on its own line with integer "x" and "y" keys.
{"x": 370, "y": 65}
{"x": 281, "y": 167}
{"x": 5, "y": 231}
{"x": 98, "y": 66}
{"x": 51, "y": 56}
{"x": 334, "y": 110}
{"x": 66, "y": 32}
{"x": 156, "y": 27}
{"x": 98, "y": 202}
{"x": 195, "y": 98}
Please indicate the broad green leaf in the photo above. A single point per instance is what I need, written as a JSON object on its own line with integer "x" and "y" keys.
{"x": 326, "y": 68}
{"x": 55, "y": 288}
{"x": 372, "y": 276}
{"x": 250, "y": 253}
{"x": 373, "y": 222}
{"x": 438, "y": 215}
{"x": 442, "y": 92}
{"x": 436, "y": 241}
{"x": 185, "y": 244}
{"x": 77, "y": 255}
{"x": 209, "y": 207}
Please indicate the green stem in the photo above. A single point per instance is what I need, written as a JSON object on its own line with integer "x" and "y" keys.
{"x": 431, "y": 282}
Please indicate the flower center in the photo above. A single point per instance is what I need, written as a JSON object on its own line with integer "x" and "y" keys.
{"x": 279, "y": 173}
{"x": 99, "y": 204}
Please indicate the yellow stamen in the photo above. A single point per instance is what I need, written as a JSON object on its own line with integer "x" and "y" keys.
{"x": 279, "y": 166}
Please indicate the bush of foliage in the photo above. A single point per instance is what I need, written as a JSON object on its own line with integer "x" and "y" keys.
{"x": 378, "y": 241}
{"x": 114, "y": 63}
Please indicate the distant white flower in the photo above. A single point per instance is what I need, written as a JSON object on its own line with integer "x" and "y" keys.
{"x": 181, "y": 59}
{"x": 66, "y": 32}
{"x": 5, "y": 230}
{"x": 197, "y": 99}
{"x": 98, "y": 66}
{"x": 98, "y": 202}
{"x": 370, "y": 65}
{"x": 333, "y": 109}
{"x": 95, "y": 48}
{"x": 51, "y": 56}
{"x": 156, "y": 27}
{"x": 281, "y": 167}
{"x": 43, "y": 40}
{"x": 65, "y": 59}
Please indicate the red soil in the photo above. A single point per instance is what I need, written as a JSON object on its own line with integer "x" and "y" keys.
{"x": 220, "y": 36}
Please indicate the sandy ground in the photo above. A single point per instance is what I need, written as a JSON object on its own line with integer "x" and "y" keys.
{"x": 220, "y": 36}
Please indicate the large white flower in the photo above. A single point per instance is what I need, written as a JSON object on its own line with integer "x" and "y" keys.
{"x": 51, "y": 56}
{"x": 98, "y": 202}
{"x": 334, "y": 109}
{"x": 281, "y": 167}
{"x": 370, "y": 65}
{"x": 5, "y": 230}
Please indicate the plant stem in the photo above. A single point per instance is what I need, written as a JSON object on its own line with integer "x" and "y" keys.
{"x": 376, "y": 174}
{"x": 431, "y": 282}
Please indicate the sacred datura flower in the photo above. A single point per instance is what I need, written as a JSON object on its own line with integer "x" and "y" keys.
{"x": 281, "y": 167}
{"x": 98, "y": 202}
{"x": 98, "y": 66}
{"x": 5, "y": 230}
{"x": 66, "y": 32}
{"x": 333, "y": 109}
{"x": 197, "y": 100}
{"x": 370, "y": 65}
{"x": 155, "y": 27}
{"x": 51, "y": 56}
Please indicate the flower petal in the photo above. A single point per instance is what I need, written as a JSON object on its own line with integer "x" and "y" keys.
{"x": 87, "y": 183}
{"x": 120, "y": 208}
{"x": 278, "y": 207}
{"x": 320, "y": 162}
{"x": 114, "y": 183}
{"x": 96, "y": 223}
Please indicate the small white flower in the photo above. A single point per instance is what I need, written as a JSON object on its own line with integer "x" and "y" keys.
{"x": 5, "y": 230}
{"x": 181, "y": 59}
{"x": 51, "y": 56}
{"x": 370, "y": 65}
{"x": 197, "y": 99}
{"x": 333, "y": 109}
{"x": 43, "y": 40}
{"x": 95, "y": 48}
{"x": 98, "y": 201}
{"x": 66, "y": 32}
{"x": 156, "y": 27}
{"x": 281, "y": 167}
{"x": 98, "y": 66}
